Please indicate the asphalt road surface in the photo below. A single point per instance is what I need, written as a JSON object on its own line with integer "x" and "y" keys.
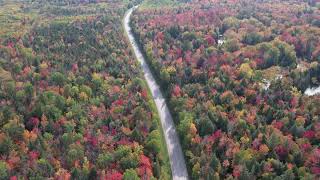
{"x": 178, "y": 166}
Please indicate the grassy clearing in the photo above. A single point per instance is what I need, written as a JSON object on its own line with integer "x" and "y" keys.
{"x": 159, "y": 3}
{"x": 14, "y": 18}
{"x": 271, "y": 73}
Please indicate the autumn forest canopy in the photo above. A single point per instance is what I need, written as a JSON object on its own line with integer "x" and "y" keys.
{"x": 234, "y": 73}
{"x": 74, "y": 103}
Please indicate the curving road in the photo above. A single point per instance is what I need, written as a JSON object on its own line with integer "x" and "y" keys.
{"x": 178, "y": 166}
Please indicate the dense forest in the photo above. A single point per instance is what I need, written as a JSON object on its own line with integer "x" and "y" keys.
{"x": 234, "y": 73}
{"x": 73, "y": 103}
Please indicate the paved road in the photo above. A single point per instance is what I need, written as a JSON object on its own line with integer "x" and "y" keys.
{"x": 178, "y": 166}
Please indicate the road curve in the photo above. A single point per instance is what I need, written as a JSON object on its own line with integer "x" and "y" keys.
{"x": 177, "y": 162}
